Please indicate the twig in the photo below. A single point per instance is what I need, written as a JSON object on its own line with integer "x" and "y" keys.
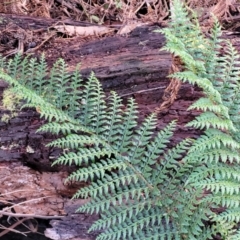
{"x": 30, "y": 50}
{"x": 8, "y": 193}
{"x": 10, "y": 214}
{"x": 31, "y": 200}
{"x": 142, "y": 91}
{"x": 11, "y": 228}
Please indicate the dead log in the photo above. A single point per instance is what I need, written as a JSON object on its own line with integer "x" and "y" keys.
{"x": 128, "y": 63}
{"x": 34, "y": 23}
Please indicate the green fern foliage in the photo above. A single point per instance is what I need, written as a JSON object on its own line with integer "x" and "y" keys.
{"x": 103, "y": 137}
{"x": 142, "y": 188}
{"x": 134, "y": 177}
{"x": 215, "y": 155}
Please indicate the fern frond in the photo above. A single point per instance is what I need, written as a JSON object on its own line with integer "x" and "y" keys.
{"x": 93, "y": 105}
{"x": 109, "y": 183}
{"x": 124, "y": 188}
{"x": 205, "y": 104}
{"x": 204, "y": 83}
{"x": 225, "y": 187}
{"x": 155, "y": 149}
{"x": 213, "y": 170}
{"x": 228, "y": 71}
{"x": 126, "y": 128}
{"x": 30, "y": 73}
{"x": 96, "y": 170}
{"x": 115, "y": 117}
{"x": 40, "y": 75}
{"x": 211, "y": 56}
{"x": 13, "y": 65}
{"x": 141, "y": 139}
{"x": 23, "y": 71}
{"x": 230, "y": 215}
{"x": 61, "y": 128}
{"x": 210, "y": 120}
{"x": 74, "y": 106}
{"x": 224, "y": 200}
{"x": 3, "y": 63}
{"x": 128, "y": 228}
{"x": 75, "y": 141}
{"x": 120, "y": 213}
{"x": 58, "y": 86}
{"x": 217, "y": 155}
{"x": 170, "y": 165}
{"x": 212, "y": 139}
{"x": 83, "y": 155}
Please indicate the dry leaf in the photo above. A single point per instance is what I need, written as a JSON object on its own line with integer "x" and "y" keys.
{"x": 128, "y": 28}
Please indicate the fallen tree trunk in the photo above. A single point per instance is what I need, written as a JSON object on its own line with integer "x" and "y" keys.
{"x": 119, "y": 61}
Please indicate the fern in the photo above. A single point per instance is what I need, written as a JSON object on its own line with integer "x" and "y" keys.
{"x": 142, "y": 188}
{"x": 121, "y": 158}
{"x": 107, "y": 132}
{"x": 218, "y": 76}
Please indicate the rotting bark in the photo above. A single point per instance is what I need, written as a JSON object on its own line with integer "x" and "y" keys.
{"x": 128, "y": 63}
{"x": 132, "y": 65}
{"x": 34, "y": 23}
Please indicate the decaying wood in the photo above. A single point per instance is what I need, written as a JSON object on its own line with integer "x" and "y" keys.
{"x": 133, "y": 65}
{"x": 41, "y": 194}
{"x": 128, "y": 63}
{"x": 34, "y": 23}
{"x": 33, "y": 195}
{"x": 74, "y": 226}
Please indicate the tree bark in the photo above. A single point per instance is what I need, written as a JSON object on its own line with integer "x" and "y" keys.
{"x": 119, "y": 61}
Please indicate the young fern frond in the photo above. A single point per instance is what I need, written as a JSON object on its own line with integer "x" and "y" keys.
{"x": 41, "y": 75}
{"x": 115, "y": 116}
{"x": 126, "y": 129}
{"x": 3, "y": 63}
{"x": 13, "y": 66}
{"x": 74, "y": 93}
{"x": 93, "y": 104}
{"x": 211, "y": 53}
